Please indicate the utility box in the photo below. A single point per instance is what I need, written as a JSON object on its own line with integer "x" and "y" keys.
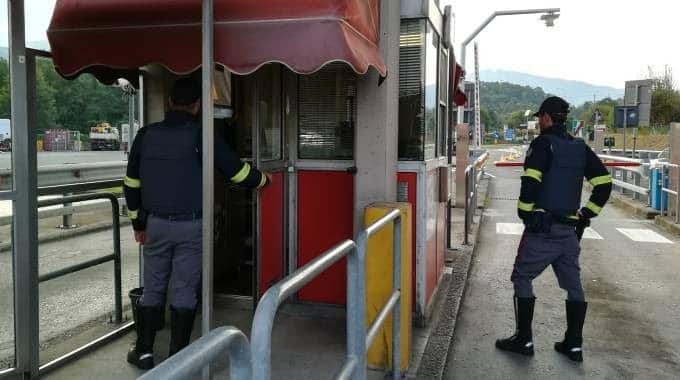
{"x": 656, "y": 194}
{"x": 379, "y": 284}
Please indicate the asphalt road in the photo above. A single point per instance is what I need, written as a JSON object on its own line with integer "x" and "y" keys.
{"x": 631, "y": 330}
{"x": 59, "y": 158}
{"x": 71, "y": 302}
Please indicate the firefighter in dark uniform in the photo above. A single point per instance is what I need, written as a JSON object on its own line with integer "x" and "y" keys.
{"x": 549, "y": 206}
{"x": 163, "y": 191}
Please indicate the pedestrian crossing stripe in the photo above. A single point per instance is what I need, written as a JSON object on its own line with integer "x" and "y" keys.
{"x": 635, "y": 234}
{"x": 518, "y": 229}
{"x": 643, "y": 235}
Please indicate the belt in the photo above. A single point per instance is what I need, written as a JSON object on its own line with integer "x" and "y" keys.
{"x": 178, "y": 217}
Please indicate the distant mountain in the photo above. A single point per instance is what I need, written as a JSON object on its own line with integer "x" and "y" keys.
{"x": 40, "y": 45}
{"x": 575, "y": 92}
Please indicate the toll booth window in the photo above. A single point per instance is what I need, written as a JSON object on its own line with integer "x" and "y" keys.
{"x": 327, "y": 113}
{"x": 239, "y": 132}
{"x": 431, "y": 98}
{"x": 411, "y": 57}
{"x": 443, "y": 98}
{"x": 269, "y": 113}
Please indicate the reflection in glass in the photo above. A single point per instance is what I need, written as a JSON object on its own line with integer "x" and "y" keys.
{"x": 327, "y": 113}
{"x": 431, "y": 58}
{"x": 411, "y": 132}
{"x": 269, "y": 112}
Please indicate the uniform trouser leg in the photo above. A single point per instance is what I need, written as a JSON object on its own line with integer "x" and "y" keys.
{"x": 158, "y": 257}
{"x": 186, "y": 280}
{"x": 568, "y": 273}
{"x": 533, "y": 256}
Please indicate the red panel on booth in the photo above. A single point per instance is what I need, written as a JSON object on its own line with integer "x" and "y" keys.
{"x": 406, "y": 185}
{"x": 325, "y": 217}
{"x": 271, "y": 233}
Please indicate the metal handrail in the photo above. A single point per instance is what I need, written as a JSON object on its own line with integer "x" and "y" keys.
{"x": 472, "y": 178}
{"x": 254, "y": 361}
{"x": 189, "y": 361}
{"x": 667, "y": 166}
{"x": 357, "y": 339}
{"x": 115, "y": 257}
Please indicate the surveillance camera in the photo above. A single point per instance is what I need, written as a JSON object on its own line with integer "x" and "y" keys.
{"x": 550, "y": 18}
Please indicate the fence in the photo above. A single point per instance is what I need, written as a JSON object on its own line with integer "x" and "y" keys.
{"x": 115, "y": 257}
{"x": 665, "y": 173}
{"x": 207, "y": 349}
{"x": 634, "y": 178}
{"x": 473, "y": 174}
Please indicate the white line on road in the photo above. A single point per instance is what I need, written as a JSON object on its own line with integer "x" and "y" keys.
{"x": 509, "y": 228}
{"x": 643, "y": 235}
{"x": 518, "y": 228}
{"x": 590, "y": 233}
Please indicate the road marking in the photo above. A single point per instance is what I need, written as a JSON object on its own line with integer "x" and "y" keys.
{"x": 590, "y": 233}
{"x": 643, "y": 235}
{"x": 518, "y": 229}
{"x": 509, "y": 228}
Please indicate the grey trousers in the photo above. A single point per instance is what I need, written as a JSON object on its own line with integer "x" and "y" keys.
{"x": 559, "y": 248}
{"x": 172, "y": 250}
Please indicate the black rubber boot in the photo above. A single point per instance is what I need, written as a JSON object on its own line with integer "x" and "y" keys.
{"x": 181, "y": 324}
{"x": 141, "y": 353}
{"x": 522, "y": 341}
{"x": 571, "y": 346}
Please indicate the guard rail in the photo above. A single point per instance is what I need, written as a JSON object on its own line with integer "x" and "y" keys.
{"x": 473, "y": 174}
{"x": 115, "y": 257}
{"x": 665, "y": 173}
{"x": 192, "y": 359}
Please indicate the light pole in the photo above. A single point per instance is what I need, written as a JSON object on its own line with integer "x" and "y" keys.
{"x": 549, "y": 16}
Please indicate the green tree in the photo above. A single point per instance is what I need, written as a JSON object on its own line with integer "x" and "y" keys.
{"x": 4, "y": 89}
{"x": 516, "y": 118}
{"x": 665, "y": 98}
{"x": 490, "y": 119}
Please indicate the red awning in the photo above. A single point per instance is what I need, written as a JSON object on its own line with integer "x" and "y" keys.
{"x": 113, "y": 38}
{"x": 459, "y": 97}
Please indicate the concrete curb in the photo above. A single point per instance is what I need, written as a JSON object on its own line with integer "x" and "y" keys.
{"x": 66, "y": 234}
{"x": 436, "y": 353}
{"x": 630, "y": 205}
{"x": 633, "y": 206}
{"x": 668, "y": 224}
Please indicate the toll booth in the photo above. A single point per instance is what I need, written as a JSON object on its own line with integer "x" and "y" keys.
{"x": 312, "y": 100}
{"x": 428, "y": 89}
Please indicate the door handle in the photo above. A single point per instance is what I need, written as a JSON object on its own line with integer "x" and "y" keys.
{"x": 352, "y": 170}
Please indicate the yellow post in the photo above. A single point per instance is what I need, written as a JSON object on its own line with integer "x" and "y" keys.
{"x": 379, "y": 284}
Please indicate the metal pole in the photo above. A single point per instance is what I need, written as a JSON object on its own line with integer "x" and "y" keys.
{"x": 356, "y": 306}
{"x": 117, "y": 272}
{"x": 25, "y": 234}
{"x": 67, "y": 219}
{"x": 480, "y": 28}
{"x": 396, "y": 313}
{"x": 467, "y": 206}
{"x": 208, "y": 171}
{"x": 661, "y": 193}
{"x": 677, "y": 197}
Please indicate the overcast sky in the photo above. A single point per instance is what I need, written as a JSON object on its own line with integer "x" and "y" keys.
{"x": 597, "y": 41}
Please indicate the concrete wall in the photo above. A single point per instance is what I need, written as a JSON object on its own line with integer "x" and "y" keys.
{"x": 674, "y": 142}
{"x": 378, "y": 120}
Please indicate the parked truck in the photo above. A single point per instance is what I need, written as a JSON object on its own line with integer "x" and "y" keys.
{"x": 104, "y": 137}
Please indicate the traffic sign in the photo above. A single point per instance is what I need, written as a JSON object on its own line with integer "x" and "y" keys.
{"x": 632, "y": 116}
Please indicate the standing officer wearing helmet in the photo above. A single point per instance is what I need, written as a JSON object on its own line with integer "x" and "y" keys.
{"x": 163, "y": 191}
{"x": 549, "y": 206}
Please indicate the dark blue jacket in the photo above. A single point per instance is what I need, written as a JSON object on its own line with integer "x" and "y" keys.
{"x": 164, "y": 174}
